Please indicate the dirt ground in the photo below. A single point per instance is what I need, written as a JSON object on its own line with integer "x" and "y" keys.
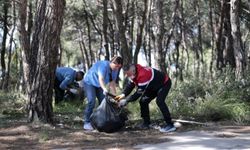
{"x": 17, "y": 134}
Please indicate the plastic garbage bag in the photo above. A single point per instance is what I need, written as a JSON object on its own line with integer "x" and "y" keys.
{"x": 108, "y": 117}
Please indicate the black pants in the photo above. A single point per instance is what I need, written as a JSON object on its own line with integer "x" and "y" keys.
{"x": 59, "y": 93}
{"x": 160, "y": 96}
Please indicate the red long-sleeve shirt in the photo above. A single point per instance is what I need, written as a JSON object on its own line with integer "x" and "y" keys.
{"x": 147, "y": 80}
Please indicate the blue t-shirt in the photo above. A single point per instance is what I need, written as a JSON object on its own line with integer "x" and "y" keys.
{"x": 100, "y": 68}
{"x": 66, "y": 76}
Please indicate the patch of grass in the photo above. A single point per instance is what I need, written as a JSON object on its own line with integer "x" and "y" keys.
{"x": 43, "y": 136}
{"x": 69, "y": 107}
{"x": 70, "y": 113}
{"x": 12, "y": 107}
{"x": 134, "y": 110}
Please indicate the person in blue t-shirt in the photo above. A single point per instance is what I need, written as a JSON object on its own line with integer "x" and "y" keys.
{"x": 65, "y": 76}
{"x": 94, "y": 83}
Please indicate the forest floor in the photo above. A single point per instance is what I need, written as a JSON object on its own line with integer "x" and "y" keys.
{"x": 67, "y": 133}
{"x": 16, "y": 133}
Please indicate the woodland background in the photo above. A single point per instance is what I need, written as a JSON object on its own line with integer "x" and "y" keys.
{"x": 204, "y": 45}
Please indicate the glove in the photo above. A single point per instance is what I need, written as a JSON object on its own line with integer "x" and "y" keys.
{"x": 122, "y": 103}
{"x": 105, "y": 91}
{"x": 119, "y": 97}
{"x": 74, "y": 91}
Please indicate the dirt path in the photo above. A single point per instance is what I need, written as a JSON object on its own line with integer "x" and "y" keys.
{"x": 224, "y": 137}
{"x": 25, "y": 136}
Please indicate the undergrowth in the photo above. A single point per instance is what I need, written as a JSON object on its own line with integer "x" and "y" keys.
{"x": 222, "y": 99}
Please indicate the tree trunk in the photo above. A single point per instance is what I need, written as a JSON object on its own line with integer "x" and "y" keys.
{"x": 89, "y": 17}
{"x": 219, "y": 31}
{"x": 211, "y": 18}
{"x": 39, "y": 59}
{"x": 229, "y": 50}
{"x": 131, "y": 28}
{"x": 60, "y": 52}
{"x": 183, "y": 41}
{"x": 7, "y": 77}
{"x": 199, "y": 50}
{"x": 147, "y": 37}
{"x": 92, "y": 59}
{"x": 85, "y": 51}
{"x": 105, "y": 29}
{"x": 125, "y": 51}
{"x": 5, "y": 32}
{"x": 140, "y": 33}
{"x": 173, "y": 24}
{"x": 160, "y": 57}
{"x": 239, "y": 53}
{"x": 83, "y": 57}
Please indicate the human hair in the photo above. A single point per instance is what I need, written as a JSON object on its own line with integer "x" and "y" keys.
{"x": 79, "y": 75}
{"x": 130, "y": 67}
{"x": 117, "y": 60}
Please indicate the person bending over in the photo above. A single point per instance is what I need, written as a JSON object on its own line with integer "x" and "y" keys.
{"x": 150, "y": 84}
{"x": 95, "y": 81}
{"x": 65, "y": 76}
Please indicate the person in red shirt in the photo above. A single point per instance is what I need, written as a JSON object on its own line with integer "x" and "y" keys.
{"x": 150, "y": 83}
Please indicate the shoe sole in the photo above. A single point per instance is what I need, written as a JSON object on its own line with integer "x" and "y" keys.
{"x": 88, "y": 128}
{"x": 170, "y": 130}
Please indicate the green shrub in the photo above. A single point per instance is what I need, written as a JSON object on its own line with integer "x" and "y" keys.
{"x": 222, "y": 99}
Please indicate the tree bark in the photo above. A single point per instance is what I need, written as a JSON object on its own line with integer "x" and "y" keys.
{"x": 140, "y": 33}
{"x": 39, "y": 58}
{"x": 105, "y": 29}
{"x": 7, "y": 77}
{"x": 229, "y": 50}
{"x": 173, "y": 24}
{"x": 5, "y": 32}
{"x": 160, "y": 57}
{"x": 120, "y": 25}
{"x": 219, "y": 31}
{"x": 239, "y": 53}
{"x": 199, "y": 50}
{"x": 147, "y": 37}
{"x": 211, "y": 19}
{"x": 84, "y": 51}
{"x": 92, "y": 59}
{"x": 183, "y": 25}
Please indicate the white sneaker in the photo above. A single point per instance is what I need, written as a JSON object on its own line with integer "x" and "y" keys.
{"x": 168, "y": 128}
{"x": 88, "y": 126}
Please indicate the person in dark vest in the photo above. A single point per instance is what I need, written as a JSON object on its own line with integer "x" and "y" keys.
{"x": 150, "y": 83}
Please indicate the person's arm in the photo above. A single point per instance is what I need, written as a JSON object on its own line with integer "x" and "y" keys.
{"x": 64, "y": 84}
{"x": 127, "y": 90}
{"x": 102, "y": 83}
{"x": 134, "y": 97}
{"x": 101, "y": 72}
{"x": 68, "y": 79}
{"x": 112, "y": 86}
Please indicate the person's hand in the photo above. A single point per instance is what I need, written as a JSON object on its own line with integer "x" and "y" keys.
{"x": 122, "y": 103}
{"x": 74, "y": 91}
{"x": 119, "y": 97}
{"x": 105, "y": 91}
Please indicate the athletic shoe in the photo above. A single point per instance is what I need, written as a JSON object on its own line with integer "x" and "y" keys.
{"x": 168, "y": 128}
{"x": 88, "y": 126}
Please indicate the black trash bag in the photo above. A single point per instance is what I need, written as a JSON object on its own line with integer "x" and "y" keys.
{"x": 108, "y": 117}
